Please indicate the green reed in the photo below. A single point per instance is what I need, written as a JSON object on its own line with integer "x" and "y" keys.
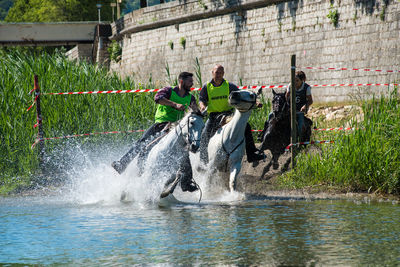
{"x": 366, "y": 160}
{"x": 62, "y": 114}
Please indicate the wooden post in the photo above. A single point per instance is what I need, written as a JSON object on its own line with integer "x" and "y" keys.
{"x": 39, "y": 124}
{"x": 293, "y": 111}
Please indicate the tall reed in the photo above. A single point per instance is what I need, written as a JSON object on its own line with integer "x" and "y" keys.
{"x": 62, "y": 114}
{"x": 367, "y": 160}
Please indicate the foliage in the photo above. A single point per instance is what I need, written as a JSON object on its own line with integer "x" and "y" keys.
{"x": 58, "y": 10}
{"x": 382, "y": 13}
{"x": 171, "y": 45}
{"x": 197, "y": 72}
{"x": 115, "y": 51}
{"x": 333, "y": 15}
{"x": 366, "y": 160}
{"x": 182, "y": 41}
{"x": 4, "y": 7}
{"x": 62, "y": 114}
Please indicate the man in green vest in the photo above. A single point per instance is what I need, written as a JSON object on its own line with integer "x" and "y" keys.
{"x": 172, "y": 105}
{"x": 214, "y": 96}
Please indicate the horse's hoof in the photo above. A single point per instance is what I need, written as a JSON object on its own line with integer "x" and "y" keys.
{"x": 275, "y": 166}
{"x": 169, "y": 188}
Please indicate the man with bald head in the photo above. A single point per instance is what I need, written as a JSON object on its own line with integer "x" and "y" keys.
{"x": 214, "y": 96}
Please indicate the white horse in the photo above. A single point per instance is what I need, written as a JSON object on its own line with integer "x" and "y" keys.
{"x": 226, "y": 148}
{"x": 166, "y": 158}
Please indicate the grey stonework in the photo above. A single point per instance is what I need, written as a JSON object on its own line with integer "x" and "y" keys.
{"x": 254, "y": 39}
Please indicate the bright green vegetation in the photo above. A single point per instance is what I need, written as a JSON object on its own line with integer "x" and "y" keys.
{"x": 62, "y": 114}
{"x": 366, "y": 160}
{"x": 65, "y": 114}
{"x": 57, "y": 10}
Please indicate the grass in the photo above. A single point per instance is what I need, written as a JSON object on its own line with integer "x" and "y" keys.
{"x": 364, "y": 160}
{"x": 62, "y": 115}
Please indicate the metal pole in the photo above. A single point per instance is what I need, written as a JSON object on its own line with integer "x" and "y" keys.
{"x": 39, "y": 123}
{"x": 293, "y": 110}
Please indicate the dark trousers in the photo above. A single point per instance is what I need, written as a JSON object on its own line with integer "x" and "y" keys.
{"x": 142, "y": 142}
{"x": 212, "y": 125}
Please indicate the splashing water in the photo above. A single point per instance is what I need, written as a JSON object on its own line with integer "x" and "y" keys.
{"x": 93, "y": 180}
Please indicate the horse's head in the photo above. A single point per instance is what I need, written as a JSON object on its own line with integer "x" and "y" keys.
{"x": 279, "y": 104}
{"x": 243, "y": 100}
{"x": 191, "y": 127}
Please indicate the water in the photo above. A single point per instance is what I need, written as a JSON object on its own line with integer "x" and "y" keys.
{"x": 85, "y": 223}
{"x": 49, "y": 230}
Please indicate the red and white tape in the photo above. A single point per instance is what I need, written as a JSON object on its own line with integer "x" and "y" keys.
{"x": 335, "y": 129}
{"x": 135, "y": 131}
{"x": 80, "y": 135}
{"x": 309, "y": 143}
{"x": 198, "y": 89}
{"x": 358, "y": 69}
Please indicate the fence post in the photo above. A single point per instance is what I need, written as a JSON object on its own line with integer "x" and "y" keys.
{"x": 293, "y": 125}
{"x": 39, "y": 124}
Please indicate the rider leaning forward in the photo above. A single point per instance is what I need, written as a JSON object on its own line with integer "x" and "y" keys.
{"x": 214, "y": 96}
{"x": 172, "y": 105}
{"x": 303, "y": 98}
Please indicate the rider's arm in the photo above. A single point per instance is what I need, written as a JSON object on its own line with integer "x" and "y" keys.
{"x": 162, "y": 98}
{"x": 167, "y": 102}
{"x": 203, "y": 98}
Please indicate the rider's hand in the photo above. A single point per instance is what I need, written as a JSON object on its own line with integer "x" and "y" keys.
{"x": 303, "y": 109}
{"x": 179, "y": 107}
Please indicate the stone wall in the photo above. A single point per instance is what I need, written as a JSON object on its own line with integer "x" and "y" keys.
{"x": 81, "y": 52}
{"x": 254, "y": 39}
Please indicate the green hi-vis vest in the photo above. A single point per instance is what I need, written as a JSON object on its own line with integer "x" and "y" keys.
{"x": 218, "y": 97}
{"x": 167, "y": 113}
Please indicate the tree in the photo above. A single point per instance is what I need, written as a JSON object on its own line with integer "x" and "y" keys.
{"x": 4, "y": 7}
{"x": 58, "y": 10}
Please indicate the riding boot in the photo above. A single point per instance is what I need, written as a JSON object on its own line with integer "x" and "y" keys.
{"x": 186, "y": 175}
{"x": 253, "y": 154}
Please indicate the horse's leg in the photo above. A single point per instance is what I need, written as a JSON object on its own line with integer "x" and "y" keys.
{"x": 275, "y": 160}
{"x": 170, "y": 185}
{"x": 234, "y": 171}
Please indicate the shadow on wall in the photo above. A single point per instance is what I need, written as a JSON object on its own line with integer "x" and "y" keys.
{"x": 239, "y": 18}
{"x": 292, "y": 6}
{"x": 369, "y": 6}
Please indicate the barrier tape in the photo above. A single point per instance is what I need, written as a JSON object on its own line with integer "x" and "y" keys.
{"x": 335, "y": 129}
{"x": 80, "y": 135}
{"x": 198, "y": 89}
{"x": 359, "y": 69}
{"x": 134, "y": 131}
{"x": 309, "y": 143}
{"x": 34, "y": 101}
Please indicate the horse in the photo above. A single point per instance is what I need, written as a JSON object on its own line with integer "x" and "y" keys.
{"x": 277, "y": 130}
{"x": 168, "y": 160}
{"x": 226, "y": 148}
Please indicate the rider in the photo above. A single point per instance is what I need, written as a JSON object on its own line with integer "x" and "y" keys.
{"x": 303, "y": 99}
{"x": 172, "y": 104}
{"x": 214, "y": 96}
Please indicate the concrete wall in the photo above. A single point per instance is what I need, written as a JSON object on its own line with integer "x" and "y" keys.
{"x": 56, "y": 33}
{"x": 254, "y": 39}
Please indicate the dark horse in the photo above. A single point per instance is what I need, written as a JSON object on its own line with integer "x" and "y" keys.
{"x": 276, "y": 134}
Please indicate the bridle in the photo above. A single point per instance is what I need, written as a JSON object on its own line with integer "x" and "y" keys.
{"x": 281, "y": 112}
{"x": 189, "y": 138}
